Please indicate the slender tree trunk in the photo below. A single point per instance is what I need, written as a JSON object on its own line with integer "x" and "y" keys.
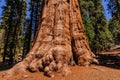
{"x": 7, "y": 36}
{"x": 60, "y": 40}
{"x": 28, "y": 33}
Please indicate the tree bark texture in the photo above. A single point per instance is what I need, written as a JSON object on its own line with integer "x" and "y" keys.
{"x": 60, "y": 41}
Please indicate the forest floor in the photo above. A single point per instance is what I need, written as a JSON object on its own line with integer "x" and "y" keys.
{"x": 108, "y": 69}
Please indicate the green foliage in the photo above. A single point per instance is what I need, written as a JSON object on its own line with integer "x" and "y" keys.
{"x": 86, "y": 6}
{"x": 114, "y": 23}
{"x": 114, "y": 8}
{"x": 89, "y": 31}
{"x": 114, "y": 27}
{"x": 100, "y": 38}
{"x": 103, "y": 38}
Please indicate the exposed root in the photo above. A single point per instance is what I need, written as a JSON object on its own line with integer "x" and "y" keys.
{"x": 54, "y": 60}
{"x": 17, "y": 69}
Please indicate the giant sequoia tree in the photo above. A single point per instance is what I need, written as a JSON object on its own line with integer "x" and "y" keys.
{"x": 60, "y": 41}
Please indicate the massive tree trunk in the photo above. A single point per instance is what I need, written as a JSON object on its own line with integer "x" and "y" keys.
{"x": 60, "y": 41}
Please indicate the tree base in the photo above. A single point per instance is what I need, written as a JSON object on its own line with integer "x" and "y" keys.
{"x": 60, "y": 42}
{"x": 55, "y": 60}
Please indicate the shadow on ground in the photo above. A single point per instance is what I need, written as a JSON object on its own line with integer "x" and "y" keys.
{"x": 5, "y": 66}
{"x": 112, "y": 61}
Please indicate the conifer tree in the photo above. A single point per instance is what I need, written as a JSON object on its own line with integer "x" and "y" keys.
{"x": 114, "y": 23}
{"x": 86, "y": 6}
{"x": 95, "y": 22}
{"x": 13, "y": 18}
{"x": 32, "y": 24}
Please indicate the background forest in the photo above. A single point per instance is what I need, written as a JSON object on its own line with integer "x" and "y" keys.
{"x": 19, "y": 22}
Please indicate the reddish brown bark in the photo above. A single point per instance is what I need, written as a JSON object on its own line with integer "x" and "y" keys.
{"x": 60, "y": 37}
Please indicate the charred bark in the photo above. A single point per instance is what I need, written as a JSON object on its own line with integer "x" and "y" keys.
{"x": 60, "y": 37}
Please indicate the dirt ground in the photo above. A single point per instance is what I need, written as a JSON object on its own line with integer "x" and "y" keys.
{"x": 94, "y": 72}
{"x": 108, "y": 69}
